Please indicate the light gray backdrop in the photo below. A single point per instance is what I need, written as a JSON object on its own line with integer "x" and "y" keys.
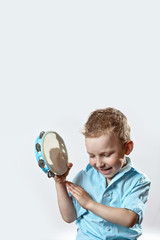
{"x": 60, "y": 60}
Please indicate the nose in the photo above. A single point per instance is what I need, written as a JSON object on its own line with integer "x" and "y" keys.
{"x": 99, "y": 162}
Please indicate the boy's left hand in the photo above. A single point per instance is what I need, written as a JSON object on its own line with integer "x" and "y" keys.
{"x": 80, "y": 194}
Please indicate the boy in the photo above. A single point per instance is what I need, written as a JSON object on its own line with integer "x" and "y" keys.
{"x": 108, "y": 198}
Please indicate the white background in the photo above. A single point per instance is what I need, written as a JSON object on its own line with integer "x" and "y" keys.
{"x": 60, "y": 60}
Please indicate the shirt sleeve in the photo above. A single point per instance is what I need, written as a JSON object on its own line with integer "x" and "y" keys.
{"x": 136, "y": 199}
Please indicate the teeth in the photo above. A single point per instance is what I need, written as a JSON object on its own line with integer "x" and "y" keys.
{"x": 105, "y": 169}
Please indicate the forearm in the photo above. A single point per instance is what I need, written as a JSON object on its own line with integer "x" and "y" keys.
{"x": 120, "y": 216}
{"x": 65, "y": 204}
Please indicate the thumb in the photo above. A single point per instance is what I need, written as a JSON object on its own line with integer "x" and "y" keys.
{"x": 69, "y": 168}
{"x": 70, "y": 165}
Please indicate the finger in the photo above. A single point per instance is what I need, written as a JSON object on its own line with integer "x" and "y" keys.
{"x": 69, "y": 168}
{"x": 59, "y": 178}
{"x": 73, "y": 187}
{"x": 70, "y": 165}
{"x": 71, "y": 183}
{"x": 74, "y": 192}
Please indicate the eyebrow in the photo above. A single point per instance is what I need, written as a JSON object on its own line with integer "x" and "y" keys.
{"x": 109, "y": 152}
{"x": 90, "y": 153}
{"x": 101, "y": 153}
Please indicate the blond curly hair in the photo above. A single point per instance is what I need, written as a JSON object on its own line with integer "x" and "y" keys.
{"x": 107, "y": 121}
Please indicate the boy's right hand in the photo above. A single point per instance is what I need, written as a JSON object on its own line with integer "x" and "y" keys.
{"x": 62, "y": 178}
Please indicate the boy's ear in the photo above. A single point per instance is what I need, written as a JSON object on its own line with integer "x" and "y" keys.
{"x": 129, "y": 147}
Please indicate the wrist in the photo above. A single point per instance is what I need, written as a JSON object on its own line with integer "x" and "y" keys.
{"x": 90, "y": 205}
{"x": 60, "y": 179}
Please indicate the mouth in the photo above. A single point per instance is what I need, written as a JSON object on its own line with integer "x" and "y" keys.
{"x": 105, "y": 171}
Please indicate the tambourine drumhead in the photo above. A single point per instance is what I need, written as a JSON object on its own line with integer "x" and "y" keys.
{"x": 55, "y": 152}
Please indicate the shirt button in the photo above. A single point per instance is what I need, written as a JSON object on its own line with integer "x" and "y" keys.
{"x": 107, "y": 194}
{"x": 108, "y": 229}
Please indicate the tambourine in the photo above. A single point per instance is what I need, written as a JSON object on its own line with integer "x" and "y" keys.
{"x": 51, "y": 153}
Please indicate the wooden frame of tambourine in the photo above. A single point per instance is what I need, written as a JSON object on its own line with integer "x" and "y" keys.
{"x": 51, "y": 153}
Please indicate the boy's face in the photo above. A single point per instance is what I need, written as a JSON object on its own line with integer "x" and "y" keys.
{"x": 106, "y": 154}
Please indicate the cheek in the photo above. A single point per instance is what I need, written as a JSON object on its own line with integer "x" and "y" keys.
{"x": 118, "y": 164}
{"x": 114, "y": 162}
{"x": 111, "y": 160}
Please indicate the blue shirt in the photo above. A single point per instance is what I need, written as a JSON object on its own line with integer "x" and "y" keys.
{"x": 128, "y": 189}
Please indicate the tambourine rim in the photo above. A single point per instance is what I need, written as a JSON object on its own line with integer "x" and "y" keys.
{"x": 39, "y": 155}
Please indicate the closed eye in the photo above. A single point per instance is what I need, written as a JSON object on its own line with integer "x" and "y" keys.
{"x": 106, "y": 154}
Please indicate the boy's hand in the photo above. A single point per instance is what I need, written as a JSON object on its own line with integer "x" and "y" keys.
{"x": 62, "y": 178}
{"x": 80, "y": 194}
